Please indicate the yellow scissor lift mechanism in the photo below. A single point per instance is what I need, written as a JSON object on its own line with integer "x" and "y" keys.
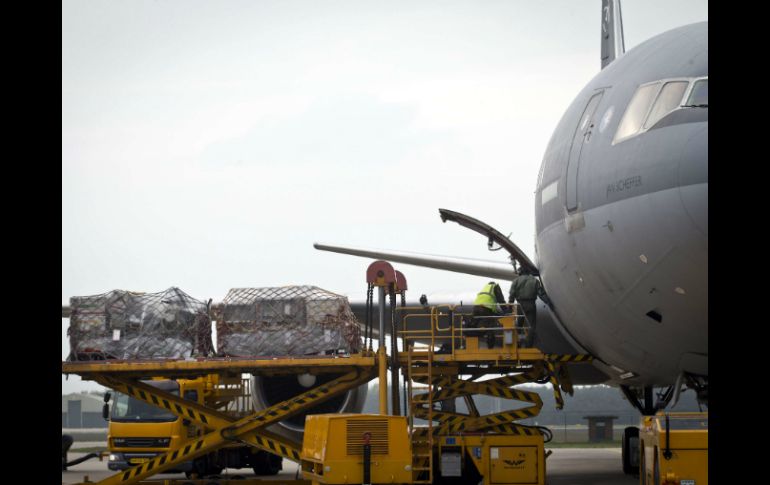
{"x": 222, "y": 428}
{"x": 503, "y": 451}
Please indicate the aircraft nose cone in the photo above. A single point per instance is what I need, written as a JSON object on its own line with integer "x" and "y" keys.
{"x": 694, "y": 179}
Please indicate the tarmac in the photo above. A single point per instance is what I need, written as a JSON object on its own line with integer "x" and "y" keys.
{"x": 586, "y": 466}
{"x": 566, "y": 466}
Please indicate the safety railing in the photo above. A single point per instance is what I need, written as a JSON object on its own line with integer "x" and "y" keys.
{"x": 444, "y": 325}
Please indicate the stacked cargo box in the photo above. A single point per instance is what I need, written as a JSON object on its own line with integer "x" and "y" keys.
{"x": 288, "y": 320}
{"x": 127, "y": 325}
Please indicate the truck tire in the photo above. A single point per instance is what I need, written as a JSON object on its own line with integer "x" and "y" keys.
{"x": 266, "y": 463}
{"x": 630, "y": 450}
{"x": 264, "y": 470}
{"x": 205, "y": 466}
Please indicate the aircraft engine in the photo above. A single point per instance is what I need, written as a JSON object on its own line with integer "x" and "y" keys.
{"x": 269, "y": 390}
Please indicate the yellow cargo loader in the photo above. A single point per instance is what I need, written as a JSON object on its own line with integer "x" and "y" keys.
{"x": 674, "y": 449}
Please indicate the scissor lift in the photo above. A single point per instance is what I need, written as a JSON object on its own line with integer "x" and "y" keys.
{"x": 491, "y": 440}
{"x": 223, "y": 429}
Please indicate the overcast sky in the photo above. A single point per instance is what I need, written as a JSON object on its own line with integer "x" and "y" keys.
{"x": 207, "y": 145}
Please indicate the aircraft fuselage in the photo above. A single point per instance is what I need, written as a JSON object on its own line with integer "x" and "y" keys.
{"x": 622, "y": 223}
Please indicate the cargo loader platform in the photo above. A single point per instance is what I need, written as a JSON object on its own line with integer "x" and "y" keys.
{"x": 433, "y": 376}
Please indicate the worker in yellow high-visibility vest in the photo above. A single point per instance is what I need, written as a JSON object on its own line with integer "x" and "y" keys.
{"x": 487, "y": 304}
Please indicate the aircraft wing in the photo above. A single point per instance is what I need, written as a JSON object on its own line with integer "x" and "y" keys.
{"x": 477, "y": 267}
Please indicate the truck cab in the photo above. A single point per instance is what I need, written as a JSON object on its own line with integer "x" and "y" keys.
{"x": 139, "y": 431}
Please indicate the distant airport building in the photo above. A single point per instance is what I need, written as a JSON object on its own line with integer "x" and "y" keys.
{"x": 82, "y": 411}
{"x": 600, "y": 428}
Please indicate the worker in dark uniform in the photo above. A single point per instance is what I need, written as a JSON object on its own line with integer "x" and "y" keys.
{"x": 487, "y": 304}
{"x": 525, "y": 289}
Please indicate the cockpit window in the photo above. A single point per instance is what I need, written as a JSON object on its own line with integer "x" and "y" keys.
{"x": 636, "y": 111}
{"x": 669, "y": 99}
{"x": 699, "y": 95}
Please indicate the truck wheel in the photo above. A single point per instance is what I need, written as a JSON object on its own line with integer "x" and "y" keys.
{"x": 203, "y": 467}
{"x": 266, "y": 469}
{"x": 267, "y": 464}
{"x": 630, "y": 450}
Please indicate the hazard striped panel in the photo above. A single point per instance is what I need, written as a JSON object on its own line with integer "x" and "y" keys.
{"x": 569, "y": 357}
{"x": 275, "y": 446}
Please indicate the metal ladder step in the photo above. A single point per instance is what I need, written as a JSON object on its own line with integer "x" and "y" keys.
{"x": 420, "y": 366}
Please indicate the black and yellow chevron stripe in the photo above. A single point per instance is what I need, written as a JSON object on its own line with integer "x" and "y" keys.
{"x": 161, "y": 462}
{"x": 569, "y": 357}
{"x": 278, "y": 447}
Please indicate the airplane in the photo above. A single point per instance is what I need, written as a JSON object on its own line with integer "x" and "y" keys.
{"x": 621, "y": 213}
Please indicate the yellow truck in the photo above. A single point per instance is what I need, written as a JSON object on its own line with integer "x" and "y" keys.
{"x": 674, "y": 449}
{"x": 139, "y": 431}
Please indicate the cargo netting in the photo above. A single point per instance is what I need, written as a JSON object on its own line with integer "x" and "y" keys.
{"x": 128, "y": 325}
{"x": 283, "y": 321}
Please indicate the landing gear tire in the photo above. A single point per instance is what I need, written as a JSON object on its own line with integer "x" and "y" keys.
{"x": 630, "y": 450}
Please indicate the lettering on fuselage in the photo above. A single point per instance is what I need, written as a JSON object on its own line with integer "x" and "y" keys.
{"x": 624, "y": 184}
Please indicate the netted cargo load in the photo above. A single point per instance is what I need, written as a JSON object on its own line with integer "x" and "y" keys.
{"x": 289, "y": 320}
{"x": 127, "y": 325}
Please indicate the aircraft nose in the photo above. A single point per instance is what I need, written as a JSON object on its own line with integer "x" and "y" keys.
{"x": 694, "y": 178}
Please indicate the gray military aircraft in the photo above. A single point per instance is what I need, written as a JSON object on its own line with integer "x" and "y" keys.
{"x": 621, "y": 212}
